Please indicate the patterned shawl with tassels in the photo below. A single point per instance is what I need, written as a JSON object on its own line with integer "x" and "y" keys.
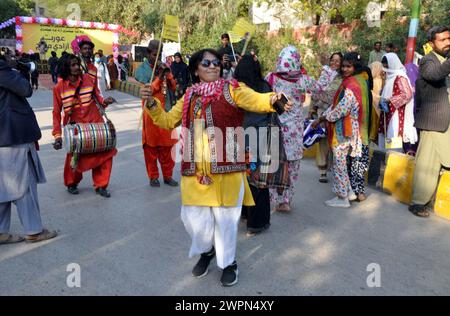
{"x": 364, "y": 106}
{"x": 343, "y": 128}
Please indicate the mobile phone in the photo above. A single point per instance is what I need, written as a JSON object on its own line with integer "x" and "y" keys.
{"x": 233, "y": 58}
{"x": 279, "y": 104}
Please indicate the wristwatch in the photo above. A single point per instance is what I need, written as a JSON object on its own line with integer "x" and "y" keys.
{"x": 152, "y": 105}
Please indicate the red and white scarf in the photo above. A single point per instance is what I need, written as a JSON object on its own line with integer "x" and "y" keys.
{"x": 209, "y": 92}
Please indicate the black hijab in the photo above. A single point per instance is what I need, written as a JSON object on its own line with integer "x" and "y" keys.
{"x": 178, "y": 68}
{"x": 248, "y": 71}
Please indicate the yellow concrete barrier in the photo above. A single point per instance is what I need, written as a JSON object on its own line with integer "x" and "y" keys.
{"x": 128, "y": 87}
{"x": 442, "y": 205}
{"x": 398, "y": 177}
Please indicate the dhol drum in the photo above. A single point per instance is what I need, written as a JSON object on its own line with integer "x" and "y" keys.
{"x": 88, "y": 138}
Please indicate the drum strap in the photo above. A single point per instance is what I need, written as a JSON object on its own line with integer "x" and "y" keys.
{"x": 76, "y": 98}
{"x": 97, "y": 103}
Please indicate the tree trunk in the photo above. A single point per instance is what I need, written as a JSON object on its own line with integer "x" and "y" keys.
{"x": 317, "y": 19}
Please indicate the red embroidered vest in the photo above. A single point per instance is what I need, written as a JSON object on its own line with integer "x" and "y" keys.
{"x": 225, "y": 133}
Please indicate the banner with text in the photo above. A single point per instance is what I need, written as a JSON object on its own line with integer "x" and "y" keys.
{"x": 171, "y": 27}
{"x": 47, "y": 38}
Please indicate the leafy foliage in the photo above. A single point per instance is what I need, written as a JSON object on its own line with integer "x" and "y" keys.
{"x": 321, "y": 11}
{"x": 12, "y": 8}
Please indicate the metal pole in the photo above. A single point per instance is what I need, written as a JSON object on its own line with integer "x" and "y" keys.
{"x": 36, "y": 8}
{"x": 413, "y": 27}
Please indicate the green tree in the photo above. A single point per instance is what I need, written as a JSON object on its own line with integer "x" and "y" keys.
{"x": 201, "y": 22}
{"x": 126, "y": 13}
{"x": 437, "y": 12}
{"x": 58, "y": 8}
{"x": 10, "y": 9}
{"x": 322, "y": 10}
{"x": 202, "y": 14}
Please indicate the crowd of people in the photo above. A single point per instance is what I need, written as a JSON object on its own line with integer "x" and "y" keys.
{"x": 109, "y": 67}
{"x": 235, "y": 124}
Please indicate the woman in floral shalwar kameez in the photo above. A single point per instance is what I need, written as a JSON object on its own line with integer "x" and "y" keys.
{"x": 348, "y": 129}
{"x": 289, "y": 79}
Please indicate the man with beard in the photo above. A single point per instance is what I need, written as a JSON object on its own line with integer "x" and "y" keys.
{"x": 86, "y": 54}
{"x": 432, "y": 119}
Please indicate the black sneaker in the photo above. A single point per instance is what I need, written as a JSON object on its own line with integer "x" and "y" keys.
{"x": 155, "y": 183}
{"x": 230, "y": 275}
{"x": 73, "y": 189}
{"x": 201, "y": 268}
{"x": 323, "y": 178}
{"x": 103, "y": 192}
{"x": 171, "y": 182}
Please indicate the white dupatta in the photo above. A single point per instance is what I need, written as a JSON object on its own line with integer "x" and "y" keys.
{"x": 395, "y": 69}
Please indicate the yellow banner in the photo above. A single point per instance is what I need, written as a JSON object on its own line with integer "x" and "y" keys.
{"x": 427, "y": 48}
{"x": 234, "y": 37}
{"x": 241, "y": 29}
{"x": 59, "y": 38}
{"x": 171, "y": 27}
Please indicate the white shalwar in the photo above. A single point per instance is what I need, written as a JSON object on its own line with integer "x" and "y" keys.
{"x": 216, "y": 226}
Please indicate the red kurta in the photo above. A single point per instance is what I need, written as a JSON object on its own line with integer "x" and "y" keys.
{"x": 84, "y": 110}
{"x": 152, "y": 135}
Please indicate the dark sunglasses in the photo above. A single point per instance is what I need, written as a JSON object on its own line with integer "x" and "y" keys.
{"x": 206, "y": 63}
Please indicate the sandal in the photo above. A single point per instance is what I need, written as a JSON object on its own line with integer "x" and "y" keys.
{"x": 361, "y": 197}
{"x": 255, "y": 231}
{"x": 44, "y": 235}
{"x": 10, "y": 239}
{"x": 284, "y": 208}
{"x": 419, "y": 211}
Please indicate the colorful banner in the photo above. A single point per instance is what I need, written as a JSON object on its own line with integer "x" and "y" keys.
{"x": 44, "y": 39}
{"x": 171, "y": 27}
{"x": 114, "y": 28}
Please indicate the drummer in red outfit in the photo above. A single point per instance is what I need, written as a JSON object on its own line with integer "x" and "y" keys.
{"x": 74, "y": 96}
{"x": 86, "y": 54}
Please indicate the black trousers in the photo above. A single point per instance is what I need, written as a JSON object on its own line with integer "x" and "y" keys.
{"x": 34, "y": 82}
{"x": 258, "y": 216}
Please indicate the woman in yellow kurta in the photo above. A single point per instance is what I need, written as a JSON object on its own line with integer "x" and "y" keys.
{"x": 213, "y": 185}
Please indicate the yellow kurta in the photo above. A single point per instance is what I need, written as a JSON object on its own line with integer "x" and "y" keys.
{"x": 224, "y": 191}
